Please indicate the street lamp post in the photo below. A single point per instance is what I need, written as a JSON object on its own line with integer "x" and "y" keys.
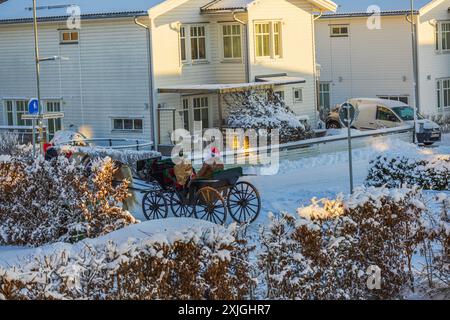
{"x": 414, "y": 57}
{"x": 38, "y": 80}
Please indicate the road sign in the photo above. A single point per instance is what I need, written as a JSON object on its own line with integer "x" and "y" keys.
{"x": 43, "y": 116}
{"x": 347, "y": 114}
{"x": 33, "y": 106}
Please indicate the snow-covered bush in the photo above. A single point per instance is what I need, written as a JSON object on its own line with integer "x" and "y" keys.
{"x": 436, "y": 250}
{"x": 10, "y": 146}
{"x": 332, "y": 248}
{"x": 429, "y": 173}
{"x": 442, "y": 120}
{"x": 265, "y": 110}
{"x": 193, "y": 264}
{"x": 42, "y": 202}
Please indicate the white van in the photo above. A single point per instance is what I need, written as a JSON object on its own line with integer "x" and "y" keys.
{"x": 380, "y": 113}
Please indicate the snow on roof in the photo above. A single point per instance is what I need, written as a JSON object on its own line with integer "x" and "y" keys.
{"x": 223, "y": 5}
{"x": 366, "y": 14}
{"x": 226, "y": 5}
{"x": 231, "y": 87}
{"x": 387, "y": 103}
{"x": 21, "y": 9}
{"x": 359, "y": 6}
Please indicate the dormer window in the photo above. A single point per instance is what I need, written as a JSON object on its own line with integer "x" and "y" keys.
{"x": 339, "y": 31}
{"x": 68, "y": 36}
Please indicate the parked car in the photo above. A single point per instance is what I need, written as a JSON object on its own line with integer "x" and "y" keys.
{"x": 380, "y": 113}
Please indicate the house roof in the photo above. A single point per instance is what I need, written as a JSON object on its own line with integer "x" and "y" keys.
{"x": 241, "y": 5}
{"x": 358, "y": 6}
{"x": 366, "y": 14}
{"x": 20, "y": 10}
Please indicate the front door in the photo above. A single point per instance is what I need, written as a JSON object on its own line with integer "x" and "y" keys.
{"x": 196, "y": 113}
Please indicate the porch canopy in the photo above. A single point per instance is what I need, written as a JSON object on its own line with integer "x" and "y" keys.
{"x": 261, "y": 83}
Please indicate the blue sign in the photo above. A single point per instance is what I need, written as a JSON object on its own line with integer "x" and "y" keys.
{"x": 33, "y": 106}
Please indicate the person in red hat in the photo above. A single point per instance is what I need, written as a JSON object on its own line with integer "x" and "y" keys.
{"x": 213, "y": 164}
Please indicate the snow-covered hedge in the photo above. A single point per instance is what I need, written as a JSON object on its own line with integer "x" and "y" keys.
{"x": 435, "y": 276}
{"x": 198, "y": 263}
{"x": 431, "y": 173}
{"x": 442, "y": 120}
{"x": 332, "y": 248}
{"x": 10, "y": 146}
{"x": 265, "y": 110}
{"x": 42, "y": 202}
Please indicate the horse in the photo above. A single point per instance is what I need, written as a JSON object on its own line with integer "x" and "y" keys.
{"x": 122, "y": 172}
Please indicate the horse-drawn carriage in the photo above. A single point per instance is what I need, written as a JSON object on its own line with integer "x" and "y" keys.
{"x": 209, "y": 199}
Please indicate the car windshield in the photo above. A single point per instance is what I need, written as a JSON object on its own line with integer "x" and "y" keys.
{"x": 406, "y": 113}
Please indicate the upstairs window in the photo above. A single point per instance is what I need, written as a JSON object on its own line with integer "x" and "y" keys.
{"x": 232, "y": 41}
{"x": 68, "y": 36}
{"x": 183, "y": 43}
{"x": 198, "y": 43}
{"x": 268, "y": 39}
{"x": 443, "y": 36}
{"x": 193, "y": 43}
{"x": 339, "y": 31}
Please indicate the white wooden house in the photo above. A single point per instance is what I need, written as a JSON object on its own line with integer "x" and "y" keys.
{"x": 140, "y": 68}
{"x": 361, "y": 61}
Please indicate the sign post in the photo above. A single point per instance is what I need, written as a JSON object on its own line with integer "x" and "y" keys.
{"x": 33, "y": 109}
{"x": 40, "y": 117}
{"x": 347, "y": 115}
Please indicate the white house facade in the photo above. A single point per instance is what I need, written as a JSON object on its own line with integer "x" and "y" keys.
{"x": 139, "y": 69}
{"x": 358, "y": 59}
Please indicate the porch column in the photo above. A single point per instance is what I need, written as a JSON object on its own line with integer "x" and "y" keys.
{"x": 219, "y": 103}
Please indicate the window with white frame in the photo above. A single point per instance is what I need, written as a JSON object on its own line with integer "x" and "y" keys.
{"x": 325, "y": 95}
{"x": 68, "y": 36}
{"x": 443, "y": 93}
{"x": 232, "y": 42}
{"x": 193, "y": 43}
{"x": 127, "y": 124}
{"x": 279, "y": 94}
{"x": 15, "y": 109}
{"x": 53, "y": 125}
{"x": 268, "y": 39}
{"x": 339, "y": 31}
{"x": 185, "y": 114}
{"x": 201, "y": 111}
{"x": 198, "y": 43}
{"x": 183, "y": 43}
{"x": 443, "y": 36}
{"x": 298, "y": 95}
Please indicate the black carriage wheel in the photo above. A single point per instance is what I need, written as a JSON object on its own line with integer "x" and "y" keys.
{"x": 154, "y": 205}
{"x": 180, "y": 206}
{"x": 210, "y": 206}
{"x": 244, "y": 202}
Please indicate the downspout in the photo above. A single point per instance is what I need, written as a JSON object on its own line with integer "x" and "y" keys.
{"x": 247, "y": 55}
{"x": 410, "y": 19}
{"x": 151, "y": 82}
{"x": 316, "y": 80}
